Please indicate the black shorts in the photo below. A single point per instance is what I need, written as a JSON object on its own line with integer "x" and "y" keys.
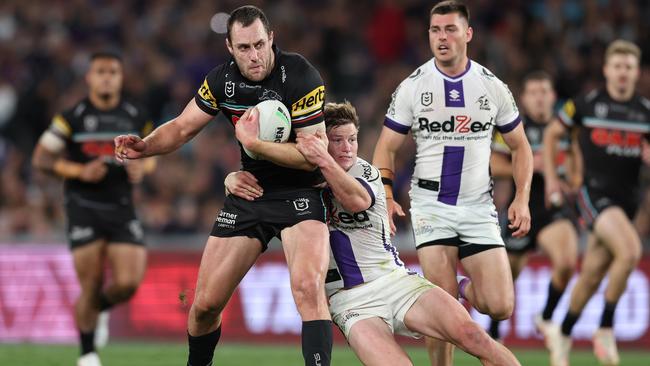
{"x": 268, "y": 215}
{"x": 540, "y": 218}
{"x": 591, "y": 202}
{"x": 89, "y": 221}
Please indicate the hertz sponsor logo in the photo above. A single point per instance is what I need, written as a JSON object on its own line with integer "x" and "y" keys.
{"x": 311, "y": 102}
{"x": 206, "y": 95}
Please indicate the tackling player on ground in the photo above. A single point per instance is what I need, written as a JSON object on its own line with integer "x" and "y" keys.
{"x": 551, "y": 228}
{"x": 291, "y": 208}
{"x": 451, "y": 105}
{"x": 612, "y": 128}
{"x": 371, "y": 294}
{"x": 102, "y": 225}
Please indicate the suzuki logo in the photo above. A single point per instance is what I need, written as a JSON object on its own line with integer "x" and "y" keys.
{"x": 454, "y": 94}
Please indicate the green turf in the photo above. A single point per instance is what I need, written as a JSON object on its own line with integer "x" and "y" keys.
{"x": 162, "y": 354}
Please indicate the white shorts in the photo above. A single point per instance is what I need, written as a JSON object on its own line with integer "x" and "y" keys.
{"x": 438, "y": 223}
{"x": 388, "y": 297}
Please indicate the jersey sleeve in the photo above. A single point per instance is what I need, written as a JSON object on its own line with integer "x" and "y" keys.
{"x": 399, "y": 116}
{"x": 205, "y": 96}
{"x": 507, "y": 112}
{"x": 60, "y": 127}
{"x": 307, "y": 98}
{"x": 569, "y": 114}
{"x": 368, "y": 176}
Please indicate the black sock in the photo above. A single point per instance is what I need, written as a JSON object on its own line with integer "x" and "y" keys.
{"x": 317, "y": 342}
{"x": 104, "y": 302}
{"x": 607, "y": 321}
{"x": 87, "y": 342}
{"x": 553, "y": 298}
{"x": 569, "y": 321}
{"x": 202, "y": 348}
{"x": 494, "y": 329}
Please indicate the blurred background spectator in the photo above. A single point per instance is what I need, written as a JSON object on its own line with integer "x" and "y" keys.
{"x": 363, "y": 49}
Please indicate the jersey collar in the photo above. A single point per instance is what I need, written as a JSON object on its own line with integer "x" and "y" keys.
{"x": 469, "y": 65}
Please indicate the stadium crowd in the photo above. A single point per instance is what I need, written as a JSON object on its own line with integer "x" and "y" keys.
{"x": 362, "y": 48}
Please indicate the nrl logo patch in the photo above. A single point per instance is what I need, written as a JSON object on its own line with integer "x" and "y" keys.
{"x": 230, "y": 89}
{"x": 426, "y": 98}
{"x": 301, "y": 204}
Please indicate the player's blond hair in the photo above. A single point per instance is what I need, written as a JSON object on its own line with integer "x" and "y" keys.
{"x": 622, "y": 47}
{"x": 339, "y": 114}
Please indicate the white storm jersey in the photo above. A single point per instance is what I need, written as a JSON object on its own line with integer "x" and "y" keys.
{"x": 361, "y": 250}
{"x": 452, "y": 120}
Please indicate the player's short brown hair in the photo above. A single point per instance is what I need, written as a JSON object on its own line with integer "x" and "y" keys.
{"x": 339, "y": 114}
{"x": 246, "y": 15}
{"x": 450, "y": 6}
{"x": 537, "y": 75}
{"x": 622, "y": 47}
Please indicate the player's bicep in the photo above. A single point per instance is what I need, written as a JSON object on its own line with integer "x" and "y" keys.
{"x": 516, "y": 138}
{"x": 390, "y": 140}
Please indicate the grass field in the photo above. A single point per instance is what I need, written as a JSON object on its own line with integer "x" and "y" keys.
{"x": 168, "y": 354}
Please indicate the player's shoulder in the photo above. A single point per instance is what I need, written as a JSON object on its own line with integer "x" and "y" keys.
{"x": 420, "y": 75}
{"x": 365, "y": 170}
{"x": 132, "y": 107}
{"x": 77, "y": 111}
{"x": 293, "y": 61}
{"x": 483, "y": 75}
{"x": 644, "y": 102}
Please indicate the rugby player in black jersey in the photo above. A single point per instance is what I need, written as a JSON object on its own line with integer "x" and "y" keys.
{"x": 551, "y": 227}
{"x": 290, "y": 208}
{"x": 613, "y": 126}
{"x": 102, "y": 225}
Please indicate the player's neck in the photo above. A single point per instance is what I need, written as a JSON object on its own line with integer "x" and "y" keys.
{"x": 619, "y": 95}
{"x": 104, "y": 103}
{"x": 453, "y": 69}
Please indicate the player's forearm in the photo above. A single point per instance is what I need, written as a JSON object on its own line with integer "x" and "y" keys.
{"x": 284, "y": 154}
{"x": 167, "y": 138}
{"x": 549, "y": 153}
{"x": 522, "y": 171}
{"x": 54, "y": 164}
{"x": 384, "y": 160}
{"x": 346, "y": 189}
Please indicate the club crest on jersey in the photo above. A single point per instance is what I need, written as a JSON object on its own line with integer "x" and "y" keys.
{"x": 601, "y": 109}
{"x": 270, "y": 95}
{"x": 426, "y": 98}
{"x": 483, "y": 103}
{"x": 301, "y": 204}
{"x": 91, "y": 123}
{"x": 230, "y": 89}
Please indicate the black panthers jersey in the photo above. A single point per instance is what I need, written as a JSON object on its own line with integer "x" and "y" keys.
{"x": 89, "y": 133}
{"x": 294, "y": 82}
{"x": 610, "y": 138}
{"x": 535, "y": 133}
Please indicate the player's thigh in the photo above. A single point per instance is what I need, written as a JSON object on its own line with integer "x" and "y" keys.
{"x": 436, "y": 314}
{"x": 559, "y": 240}
{"x": 306, "y": 247}
{"x": 439, "y": 263}
{"x": 490, "y": 274}
{"x": 89, "y": 264}
{"x": 224, "y": 263}
{"x": 128, "y": 262}
{"x": 615, "y": 230}
{"x": 373, "y": 342}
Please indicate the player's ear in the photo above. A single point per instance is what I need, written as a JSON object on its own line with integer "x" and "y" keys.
{"x": 470, "y": 34}
{"x": 229, "y": 46}
{"x": 271, "y": 38}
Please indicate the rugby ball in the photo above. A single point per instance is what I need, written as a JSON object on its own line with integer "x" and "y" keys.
{"x": 274, "y": 122}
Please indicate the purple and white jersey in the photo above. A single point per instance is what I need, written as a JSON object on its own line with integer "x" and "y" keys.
{"x": 452, "y": 120}
{"x": 361, "y": 250}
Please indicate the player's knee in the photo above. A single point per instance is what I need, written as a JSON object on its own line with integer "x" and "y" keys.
{"x": 125, "y": 290}
{"x": 565, "y": 270}
{"x": 306, "y": 290}
{"x": 470, "y": 335}
{"x": 628, "y": 259}
{"x": 204, "y": 308}
{"x": 501, "y": 308}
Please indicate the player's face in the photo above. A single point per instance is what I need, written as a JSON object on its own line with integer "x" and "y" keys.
{"x": 538, "y": 98}
{"x": 343, "y": 145}
{"x": 251, "y": 48}
{"x": 448, "y": 38}
{"x": 622, "y": 71}
{"x": 104, "y": 77}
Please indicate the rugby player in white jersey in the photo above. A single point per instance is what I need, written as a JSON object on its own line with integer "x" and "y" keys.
{"x": 371, "y": 294}
{"x": 451, "y": 106}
